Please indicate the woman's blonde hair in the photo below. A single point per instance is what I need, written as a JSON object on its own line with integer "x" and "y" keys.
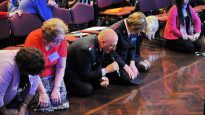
{"x": 52, "y": 27}
{"x": 137, "y": 21}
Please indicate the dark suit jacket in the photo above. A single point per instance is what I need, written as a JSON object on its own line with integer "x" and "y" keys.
{"x": 127, "y": 49}
{"x": 84, "y": 59}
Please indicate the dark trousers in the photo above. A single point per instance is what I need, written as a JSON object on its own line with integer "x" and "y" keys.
{"x": 78, "y": 86}
{"x": 184, "y": 46}
{"x": 121, "y": 78}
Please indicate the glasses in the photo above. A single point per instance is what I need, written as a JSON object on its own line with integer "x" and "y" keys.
{"x": 59, "y": 40}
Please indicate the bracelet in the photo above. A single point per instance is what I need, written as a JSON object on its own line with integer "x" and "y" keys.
{"x": 24, "y": 104}
{"x": 104, "y": 72}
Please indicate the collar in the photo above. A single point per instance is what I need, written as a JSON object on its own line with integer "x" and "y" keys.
{"x": 96, "y": 43}
{"x": 128, "y": 32}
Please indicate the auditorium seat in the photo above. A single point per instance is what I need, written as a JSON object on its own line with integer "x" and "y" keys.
{"x": 82, "y": 14}
{"x": 63, "y": 14}
{"x": 23, "y": 25}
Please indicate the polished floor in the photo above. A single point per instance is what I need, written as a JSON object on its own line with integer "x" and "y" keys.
{"x": 175, "y": 85}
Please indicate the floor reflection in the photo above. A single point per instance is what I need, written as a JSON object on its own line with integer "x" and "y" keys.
{"x": 175, "y": 85}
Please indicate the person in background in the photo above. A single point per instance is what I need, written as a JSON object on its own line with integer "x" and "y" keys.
{"x": 183, "y": 28}
{"x": 13, "y": 5}
{"x": 50, "y": 39}
{"x": 9, "y": 10}
{"x": 62, "y": 3}
{"x": 43, "y": 8}
{"x": 19, "y": 79}
{"x": 84, "y": 70}
{"x": 130, "y": 34}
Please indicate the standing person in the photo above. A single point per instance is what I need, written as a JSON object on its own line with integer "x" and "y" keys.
{"x": 50, "y": 39}
{"x": 19, "y": 79}
{"x": 183, "y": 28}
{"x": 130, "y": 36}
{"x": 84, "y": 71}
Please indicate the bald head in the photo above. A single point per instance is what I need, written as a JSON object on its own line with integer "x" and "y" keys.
{"x": 108, "y": 34}
{"x": 107, "y": 40}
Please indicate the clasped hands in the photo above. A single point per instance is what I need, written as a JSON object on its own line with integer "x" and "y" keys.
{"x": 44, "y": 100}
{"x": 193, "y": 37}
{"x": 131, "y": 70}
{"x": 104, "y": 82}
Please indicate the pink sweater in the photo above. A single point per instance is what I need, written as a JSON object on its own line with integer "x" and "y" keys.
{"x": 172, "y": 29}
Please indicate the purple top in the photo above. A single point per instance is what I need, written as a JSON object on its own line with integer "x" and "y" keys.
{"x": 10, "y": 77}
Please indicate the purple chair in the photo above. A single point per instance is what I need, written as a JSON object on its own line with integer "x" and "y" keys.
{"x": 82, "y": 13}
{"x": 104, "y": 3}
{"x": 117, "y": 1}
{"x": 5, "y": 32}
{"x": 146, "y": 6}
{"x": 63, "y": 14}
{"x": 23, "y": 25}
{"x": 163, "y": 3}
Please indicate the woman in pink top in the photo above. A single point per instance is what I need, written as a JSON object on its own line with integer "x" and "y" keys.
{"x": 183, "y": 28}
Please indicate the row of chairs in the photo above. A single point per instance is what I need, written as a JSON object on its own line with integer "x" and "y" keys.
{"x": 16, "y": 27}
{"x": 106, "y": 3}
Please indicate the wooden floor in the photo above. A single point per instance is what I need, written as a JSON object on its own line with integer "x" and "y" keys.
{"x": 175, "y": 85}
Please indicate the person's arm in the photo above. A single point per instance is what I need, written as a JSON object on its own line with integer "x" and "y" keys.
{"x": 196, "y": 20}
{"x": 24, "y": 105}
{"x": 18, "y": 12}
{"x": 5, "y": 111}
{"x": 172, "y": 21}
{"x": 120, "y": 61}
{"x": 84, "y": 66}
{"x": 117, "y": 57}
{"x": 43, "y": 96}
{"x": 43, "y": 9}
{"x": 132, "y": 51}
{"x": 6, "y": 76}
{"x": 60, "y": 70}
{"x": 134, "y": 69}
{"x": 72, "y": 3}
